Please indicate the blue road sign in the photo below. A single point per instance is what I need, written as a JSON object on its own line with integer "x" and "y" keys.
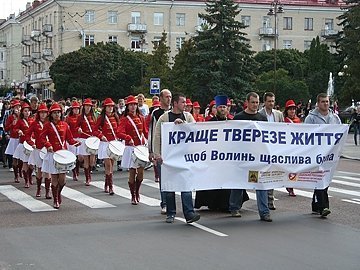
{"x": 154, "y": 86}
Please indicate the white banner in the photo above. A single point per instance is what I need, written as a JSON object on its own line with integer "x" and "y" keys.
{"x": 249, "y": 155}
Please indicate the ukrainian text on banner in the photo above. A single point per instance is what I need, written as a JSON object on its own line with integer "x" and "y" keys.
{"x": 249, "y": 155}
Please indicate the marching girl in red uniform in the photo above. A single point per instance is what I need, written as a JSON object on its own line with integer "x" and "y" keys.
{"x": 32, "y": 137}
{"x": 21, "y": 127}
{"x": 133, "y": 130}
{"x": 212, "y": 111}
{"x": 105, "y": 128}
{"x": 14, "y": 138}
{"x": 54, "y": 137}
{"x": 72, "y": 120}
{"x": 196, "y": 112}
{"x": 86, "y": 126}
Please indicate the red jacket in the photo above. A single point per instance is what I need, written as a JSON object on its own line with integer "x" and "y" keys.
{"x": 49, "y": 138}
{"x": 104, "y": 129}
{"x": 126, "y": 130}
{"x": 72, "y": 122}
{"x": 207, "y": 118}
{"x": 9, "y": 126}
{"x": 81, "y": 123}
{"x": 199, "y": 118}
{"x": 23, "y": 125}
{"x": 35, "y": 131}
{"x": 295, "y": 120}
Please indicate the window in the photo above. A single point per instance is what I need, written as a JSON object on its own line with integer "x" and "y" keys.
{"x": 1, "y": 75}
{"x": 113, "y": 39}
{"x": 287, "y": 23}
{"x": 180, "y": 19}
{"x": 135, "y": 44}
{"x": 329, "y": 24}
{"x": 89, "y": 40}
{"x": 309, "y": 24}
{"x": 158, "y": 18}
{"x": 266, "y": 22}
{"x": 266, "y": 45}
{"x": 112, "y": 17}
{"x": 156, "y": 41}
{"x": 287, "y": 44}
{"x": 307, "y": 44}
{"x": 89, "y": 16}
{"x": 135, "y": 17}
{"x": 179, "y": 42}
{"x": 246, "y": 20}
{"x": 2, "y": 56}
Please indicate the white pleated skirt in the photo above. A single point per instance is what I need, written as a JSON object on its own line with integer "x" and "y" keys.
{"x": 102, "y": 153}
{"x": 11, "y": 147}
{"x": 20, "y": 154}
{"x": 35, "y": 159}
{"x": 82, "y": 147}
{"x": 48, "y": 165}
{"x": 127, "y": 160}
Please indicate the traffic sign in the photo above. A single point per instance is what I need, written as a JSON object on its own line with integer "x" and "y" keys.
{"x": 154, "y": 86}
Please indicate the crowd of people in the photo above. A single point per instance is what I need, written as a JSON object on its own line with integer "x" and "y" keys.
{"x": 34, "y": 133}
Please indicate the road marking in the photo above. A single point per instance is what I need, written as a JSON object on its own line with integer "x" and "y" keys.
{"x": 201, "y": 227}
{"x": 349, "y": 173}
{"x": 345, "y": 191}
{"x": 350, "y": 201}
{"x": 24, "y": 199}
{"x": 300, "y": 192}
{"x": 345, "y": 183}
{"x": 347, "y": 178}
{"x": 125, "y": 193}
{"x": 84, "y": 199}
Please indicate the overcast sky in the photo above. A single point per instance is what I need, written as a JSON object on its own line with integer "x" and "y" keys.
{"x": 11, "y": 6}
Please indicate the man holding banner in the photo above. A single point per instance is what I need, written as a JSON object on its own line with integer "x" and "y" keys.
{"x": 177, "y": 115}
{"x": 322, "y": 115}
{"x": 236, "y": 196}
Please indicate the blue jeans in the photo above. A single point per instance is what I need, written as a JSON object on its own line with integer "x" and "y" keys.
{"x": 187, "y": 204}
{"x": 262, "y": 202}
{"x": 162, "y": 193}
{"x": 236, "y": 197}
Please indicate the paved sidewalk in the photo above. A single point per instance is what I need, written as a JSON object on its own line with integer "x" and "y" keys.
{"x": 351, "y": 151}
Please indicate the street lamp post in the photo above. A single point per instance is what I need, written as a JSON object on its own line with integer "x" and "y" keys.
{"x": 275, "y": 9}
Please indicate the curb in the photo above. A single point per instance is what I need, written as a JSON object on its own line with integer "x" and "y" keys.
{"x": 348, "y": 157}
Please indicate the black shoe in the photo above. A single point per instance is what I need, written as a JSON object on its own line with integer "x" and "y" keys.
{"x": 325, "y": 212}
{"x": 196, "y": 217}
{"x": 266, "y": 218}
{"x": 170, "y": 219}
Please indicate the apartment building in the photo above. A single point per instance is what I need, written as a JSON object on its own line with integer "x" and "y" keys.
{"x": 51, "y": 28}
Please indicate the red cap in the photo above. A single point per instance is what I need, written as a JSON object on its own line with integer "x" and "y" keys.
{"x": 15, "y": 102}
{"x": 108, "y": 102}
{"x": 290, "y": 103}
{"x": 156, "y": 103}
{"x": 131, "y": 100}
{"x": 212, "y": 103}
{"x": 87, "y": 102}
{"x": 196, "y": 104}
{"x": 55, "y": 107}
{"x": 188, "y": 102}
{"x": 43, "y": 108}
{"x": 24, "y": 106}
{"x": 75, "y": 105}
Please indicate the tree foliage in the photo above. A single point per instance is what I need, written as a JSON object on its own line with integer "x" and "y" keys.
{"x": 223, "y": 62}
{"x": 349, "y": 50}
{"x": 102, "y": 70}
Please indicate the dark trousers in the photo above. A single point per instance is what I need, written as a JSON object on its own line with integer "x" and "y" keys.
{"x": 320, "y": 200}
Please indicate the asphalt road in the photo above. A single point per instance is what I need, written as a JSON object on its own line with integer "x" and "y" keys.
{"x": 93, "y": 230}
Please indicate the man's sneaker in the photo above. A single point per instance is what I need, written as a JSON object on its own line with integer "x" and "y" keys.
{"x": 196, "y": 217}
{"x": 11, "y": 169}
{"x": 325, "y": 212}
{"x": 163, "y": 210}
{"x": 272, "y": 206}
{"x": 235, "y": 213}
{"x": 266, "y": 218}
{"x": 170, "y": 219}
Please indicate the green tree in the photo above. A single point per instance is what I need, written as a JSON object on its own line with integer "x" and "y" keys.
{"x": 223, "y": 60}
{"x": 287, "y": 86}
{"x": 349, "y": 50}
{"x": 320, "y": 63}
{"x": 159, "y": 66}
{"x": 102, "y": 70}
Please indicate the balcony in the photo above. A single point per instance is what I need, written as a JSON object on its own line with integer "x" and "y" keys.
{"x": 26, "y": 60}
{"x": 47, "y": 54}
{"x": 36, "y": 57}
{"x": 35, "y": 35}
{"x": 47, "y": 30}
{"x": 329, "y": 33}
{"x": 39, "y": 77}
{"x": 267, "y": 32}
{"x": 26, "y": 40}
{"x": 137, "y": 28}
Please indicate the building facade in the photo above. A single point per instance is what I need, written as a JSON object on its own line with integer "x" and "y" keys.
{"x": 51, "y": 28}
